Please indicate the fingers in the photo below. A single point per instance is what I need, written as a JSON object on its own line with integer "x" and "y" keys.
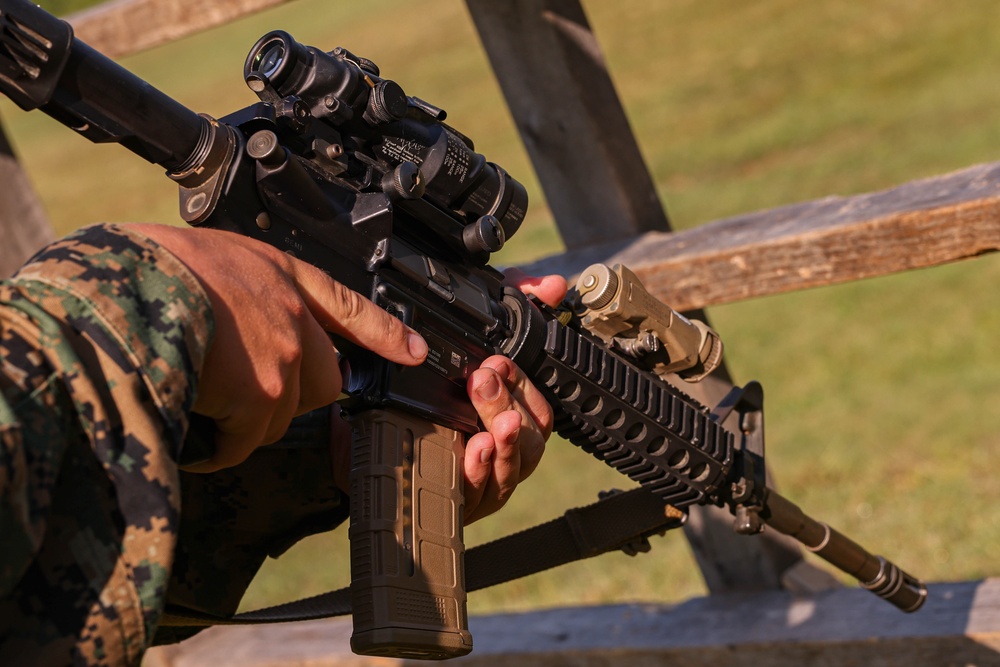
{"x": 320, "y": 381}
{"x": 549, "y": 289}
{"x": 478, "y": 467}
{"x": 271, "y": 357}
{"x": 525, "y": 395}
{"x": 345, "y": 312}
{"x": 517, "y": 417}
{"x": 492, "y": 466}
{"x": 518, "y": 420}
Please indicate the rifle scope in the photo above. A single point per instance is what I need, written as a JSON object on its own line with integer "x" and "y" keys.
{"x": 346, "y": 93}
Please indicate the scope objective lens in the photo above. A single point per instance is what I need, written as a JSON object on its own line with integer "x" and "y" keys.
{"x": 269, "y": 58}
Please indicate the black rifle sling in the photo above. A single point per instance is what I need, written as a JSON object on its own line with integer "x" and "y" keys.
{"x": 621, "y": 520}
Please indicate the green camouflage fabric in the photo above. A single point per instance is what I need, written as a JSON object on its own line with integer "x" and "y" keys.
{"x": 102, "y": 336}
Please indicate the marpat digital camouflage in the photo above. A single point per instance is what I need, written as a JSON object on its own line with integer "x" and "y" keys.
{"x": 102, "y": 336}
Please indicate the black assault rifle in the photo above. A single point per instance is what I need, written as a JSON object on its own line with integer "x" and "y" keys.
{"x": 339, "y": 167}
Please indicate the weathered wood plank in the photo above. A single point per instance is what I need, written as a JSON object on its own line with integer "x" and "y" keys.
{"x": 121, "y": 27}
{"x": 556, "y": 83}
{"x": 833, "y": 240}
{"x": 959, "y": 626}
{"x": 24, "y": 228}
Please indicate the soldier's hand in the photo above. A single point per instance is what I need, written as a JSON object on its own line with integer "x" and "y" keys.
{"x": 517, "y": 418}
{"x": 271, "y": 358}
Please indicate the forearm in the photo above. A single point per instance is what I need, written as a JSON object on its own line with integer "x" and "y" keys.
{"x": 102, "y": 336}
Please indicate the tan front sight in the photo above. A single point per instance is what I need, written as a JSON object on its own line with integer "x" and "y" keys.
{"x": 615, "y": 307}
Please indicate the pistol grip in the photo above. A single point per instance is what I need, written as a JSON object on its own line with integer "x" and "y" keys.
{"x": 407, "y": 552}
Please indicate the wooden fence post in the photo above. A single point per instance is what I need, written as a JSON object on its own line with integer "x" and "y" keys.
{"x": 23, "y": 225}
{"x": 556, "y": 83}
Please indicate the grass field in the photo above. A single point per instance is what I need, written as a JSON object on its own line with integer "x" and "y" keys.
{"x": 878, "y": 391}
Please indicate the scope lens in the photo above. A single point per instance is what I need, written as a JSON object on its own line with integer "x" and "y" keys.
{"x": 269, "y": 58}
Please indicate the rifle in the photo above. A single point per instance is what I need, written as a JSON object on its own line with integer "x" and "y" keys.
{"x": 340, "y": 167}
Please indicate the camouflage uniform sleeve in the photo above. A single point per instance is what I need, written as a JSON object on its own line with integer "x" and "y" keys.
{"x": 102, "y": 336}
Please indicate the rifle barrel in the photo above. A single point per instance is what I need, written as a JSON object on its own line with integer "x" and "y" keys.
{"x": 875, "y": 573}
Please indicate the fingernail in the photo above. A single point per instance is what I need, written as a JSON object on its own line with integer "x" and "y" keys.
{"x": 417, "y": 345}
{"x": 485, "y": 455}
{"x": 503, "y": 370}
{"x": 490, "y": 389}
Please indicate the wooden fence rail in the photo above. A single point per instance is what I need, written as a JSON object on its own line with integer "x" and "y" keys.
{"x": 833, "y": 240}
{"x": 959, "y": 627}
{"x": 122, "y": 27}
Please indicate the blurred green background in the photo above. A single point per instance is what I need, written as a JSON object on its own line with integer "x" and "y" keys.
{"x": 878, "y": 391}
